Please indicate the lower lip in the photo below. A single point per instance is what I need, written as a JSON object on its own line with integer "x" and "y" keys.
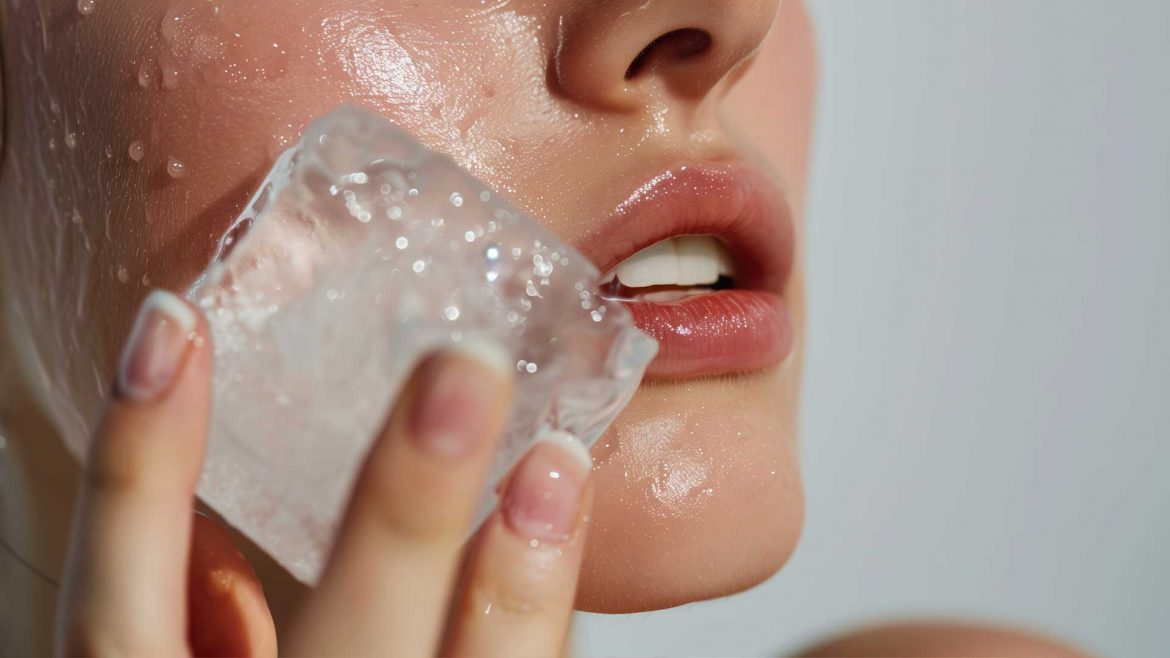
{"x": 715, "y": 334}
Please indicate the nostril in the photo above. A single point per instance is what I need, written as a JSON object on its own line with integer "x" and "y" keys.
{"x": 676, "y": 45}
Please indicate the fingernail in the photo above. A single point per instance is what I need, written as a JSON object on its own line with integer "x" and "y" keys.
{"x": 544, "y": 494}
{"x": 456, "y": 390}
{"x": 156, "y": 348}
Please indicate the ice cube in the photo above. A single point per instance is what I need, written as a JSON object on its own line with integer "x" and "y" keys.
{"x": 362, "y": 252}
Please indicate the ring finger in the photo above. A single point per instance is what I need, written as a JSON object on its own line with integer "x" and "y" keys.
{"x": 520, "y": 578}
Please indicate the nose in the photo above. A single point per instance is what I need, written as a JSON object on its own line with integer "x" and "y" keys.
{"x": 612, "y": 53}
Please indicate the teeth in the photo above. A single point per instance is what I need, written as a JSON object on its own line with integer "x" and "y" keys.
{"x": 692, "y": 260}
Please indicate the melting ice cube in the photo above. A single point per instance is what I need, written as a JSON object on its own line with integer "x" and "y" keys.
{"x": 361, "y": 252}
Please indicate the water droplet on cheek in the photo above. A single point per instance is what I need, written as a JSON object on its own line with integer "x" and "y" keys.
{"x": 86, "y": 7}
{"x": 176, "y": 169}
{"x": 146, "y": 75}
{"x": 123, "y": 274}
{"x": 168, "y": 72}
{"x": 137, "y": 151}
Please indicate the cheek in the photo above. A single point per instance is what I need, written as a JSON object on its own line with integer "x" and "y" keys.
{"x": 222, "y": 106}
{"x": 199, "y": 103}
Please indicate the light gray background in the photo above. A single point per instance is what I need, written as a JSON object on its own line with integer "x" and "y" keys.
{"x": 986, "y": 419}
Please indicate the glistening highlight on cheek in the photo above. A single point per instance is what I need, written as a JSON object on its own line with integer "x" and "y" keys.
{"x": 684, "y": 461}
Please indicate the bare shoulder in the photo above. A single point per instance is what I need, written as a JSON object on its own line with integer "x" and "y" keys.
{"x": 938, "y": 639}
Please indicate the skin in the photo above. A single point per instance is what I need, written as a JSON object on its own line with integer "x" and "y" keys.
{"x": 531, "y": 96}
{"x": 597, "y": 139}
{"x": 942, "y": 639}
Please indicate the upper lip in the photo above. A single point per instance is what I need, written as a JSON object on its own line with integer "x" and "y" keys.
{"x": 734, "y": 202}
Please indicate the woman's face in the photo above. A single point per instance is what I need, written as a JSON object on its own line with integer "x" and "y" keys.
{"x": 137, "y": 129}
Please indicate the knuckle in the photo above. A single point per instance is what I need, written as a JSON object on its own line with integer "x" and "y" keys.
{"x": 415, "y": 505}
{"x": 113, "y": 476}
{"x": 505, "y": 601}
{"x": 526, "y": 588}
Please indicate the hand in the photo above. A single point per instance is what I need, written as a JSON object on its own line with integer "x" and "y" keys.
{"x": 398, "y": 581}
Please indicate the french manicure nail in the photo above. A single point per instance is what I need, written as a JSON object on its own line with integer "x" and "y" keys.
{"x": 157, "y": 347}
{"x": 455, "y": 390}
{"x": 544, "y": 494}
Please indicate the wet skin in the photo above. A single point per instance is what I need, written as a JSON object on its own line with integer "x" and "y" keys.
{"x": 698, "y": 482}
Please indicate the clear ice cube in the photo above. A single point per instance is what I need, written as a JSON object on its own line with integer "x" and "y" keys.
{"x": 362, "y": 252}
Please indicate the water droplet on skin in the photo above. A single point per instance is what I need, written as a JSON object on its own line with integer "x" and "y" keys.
{"x": 451, "y": 313}
{"x": 109, "y": 151}
{"x": 402, "y": 242}
{"x": 170, "y": 76}
{"x": 123, "y": 275}
{"x": 76, "y": 217}
{"x": 146, "y": 280}
{"x": 71, "y": 139}
{"x": 86, "y": 7}
{"x": 137, "y": 151}
{"x": 146, "y": 75}
{"x": 457, "y": 200}
{"x": 175, "y": 168}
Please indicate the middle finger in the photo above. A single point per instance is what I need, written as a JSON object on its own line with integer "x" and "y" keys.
{"x": 387, "y": 584}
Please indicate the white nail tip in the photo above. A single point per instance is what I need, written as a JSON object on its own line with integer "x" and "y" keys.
{"x": 486, "y": 352}
{"x": 171, "y": 306}
{"x": 571, "y": 445}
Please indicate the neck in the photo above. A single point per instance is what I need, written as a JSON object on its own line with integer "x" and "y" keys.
{"x": 37, "y": 484}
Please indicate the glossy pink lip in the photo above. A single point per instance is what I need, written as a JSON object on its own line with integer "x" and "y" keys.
{"x": 742, "y": 329}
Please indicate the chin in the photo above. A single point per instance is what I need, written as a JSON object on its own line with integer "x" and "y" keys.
{"x": 698, "y": 494}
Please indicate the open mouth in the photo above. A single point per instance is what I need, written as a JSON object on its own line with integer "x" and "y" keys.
{"x": 700, "y": 256}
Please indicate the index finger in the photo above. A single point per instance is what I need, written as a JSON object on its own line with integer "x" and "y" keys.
{"x": 125, "y": 579}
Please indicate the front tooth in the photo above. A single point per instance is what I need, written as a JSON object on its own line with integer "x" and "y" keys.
{"x": 655, "y": 265}
{"x": 698, "y": 260}
{"x": 725, "y": 266}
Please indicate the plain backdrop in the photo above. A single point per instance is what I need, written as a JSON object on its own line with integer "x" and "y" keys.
{"x": 986, "y": 425}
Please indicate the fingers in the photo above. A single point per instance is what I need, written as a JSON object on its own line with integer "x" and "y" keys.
{"x": 387, "y": 585}
{"x": 521, "y": 576}
{"x": 125, "y": 580}
{"x": 227, "y": 612}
